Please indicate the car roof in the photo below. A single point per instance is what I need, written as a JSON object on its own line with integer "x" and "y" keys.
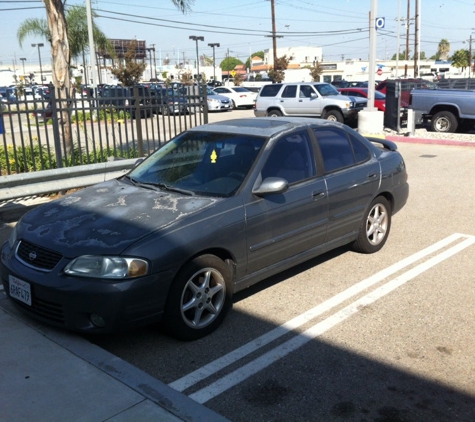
{"x": 263, "y": 126}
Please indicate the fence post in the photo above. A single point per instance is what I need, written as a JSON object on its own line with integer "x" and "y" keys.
{"x": 56, "y": 134}
{"x": 138, "y": 119}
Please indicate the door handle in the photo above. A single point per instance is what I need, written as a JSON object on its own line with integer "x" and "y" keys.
{"x": 317, "y": 194}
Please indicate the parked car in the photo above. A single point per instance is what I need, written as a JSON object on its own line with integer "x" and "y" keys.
{"x": 217, "y": 209}
{"x": 217, "y": 102}
{"x": 240, "y": 97}
{"x": 170, "y": 101}
{"x": 379, "y": 97}
{"x": 123, "y": 99}
{"x": 43, "y": 113}
{"x": 307, "y": 99}
{"x": 8, "y": 94}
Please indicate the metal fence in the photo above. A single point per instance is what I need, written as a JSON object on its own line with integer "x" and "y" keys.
{"x": 56, "y": 131}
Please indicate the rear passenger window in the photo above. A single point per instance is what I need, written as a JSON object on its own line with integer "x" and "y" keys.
{"x": 270, "y": 90}
{"x": 337, "y": 152}
{"x": 290, "y": 91}
{"x": 362, "y": 153}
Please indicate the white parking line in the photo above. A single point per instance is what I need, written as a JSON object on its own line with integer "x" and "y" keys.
{"x": 232, "y": 357}
{"x": 239, "y": 375}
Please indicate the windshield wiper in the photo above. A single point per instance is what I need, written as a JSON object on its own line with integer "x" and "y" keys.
{"x": 161, "y": 186}
{"x": 164, "y": 186}
{"x": 135, "y": 182}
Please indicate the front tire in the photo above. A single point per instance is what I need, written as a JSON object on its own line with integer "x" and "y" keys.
{"x": 374, "y": 228}
{"x": 333, "y": 116}
{"x": 444, "y": 121}
{"x": 199, "y": 298}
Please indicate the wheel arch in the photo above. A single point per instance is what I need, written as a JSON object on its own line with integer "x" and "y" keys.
{"x": 445, "y": 107}
{"x": 221, "y": 253}
{"x": 274, "y": 108}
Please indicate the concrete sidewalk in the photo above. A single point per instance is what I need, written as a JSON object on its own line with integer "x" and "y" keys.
{"x": 51, "y": 375}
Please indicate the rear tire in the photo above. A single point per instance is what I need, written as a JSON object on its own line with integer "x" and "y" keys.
{"x": 274, "y": 113}
{"x": 199, "y": 298}
{"x": 444, "y": 122}
{"x": 374, "y": 228}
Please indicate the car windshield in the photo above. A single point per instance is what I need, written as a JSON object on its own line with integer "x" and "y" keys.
{"x": 201, "y": 163}
{"x": 326, "y": 89}
{"x": 211, "y": 92}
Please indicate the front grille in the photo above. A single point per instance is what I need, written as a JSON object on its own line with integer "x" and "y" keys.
{"x": 36, "y": 256}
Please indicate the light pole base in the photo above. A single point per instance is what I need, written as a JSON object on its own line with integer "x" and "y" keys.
{"x": 370, "y": 122}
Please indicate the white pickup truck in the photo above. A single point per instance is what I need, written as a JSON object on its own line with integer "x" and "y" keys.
{"x": 446, "y": 110}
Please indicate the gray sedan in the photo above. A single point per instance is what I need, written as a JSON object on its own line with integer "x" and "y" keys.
{"x": 219, "y": 208}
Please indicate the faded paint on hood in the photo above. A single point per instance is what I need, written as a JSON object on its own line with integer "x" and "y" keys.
{"x": 105, "y": 218}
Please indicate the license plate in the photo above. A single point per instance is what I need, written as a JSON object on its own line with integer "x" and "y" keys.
{"x": 20, "y": 290}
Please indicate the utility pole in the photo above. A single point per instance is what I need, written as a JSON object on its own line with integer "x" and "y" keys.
{"x": 469, "y": 57}
{"x": 407, "y": 27}
{"x": 416, "y": 40}
{"x": 154, "y": 61}
{"x": 274, "y": 37}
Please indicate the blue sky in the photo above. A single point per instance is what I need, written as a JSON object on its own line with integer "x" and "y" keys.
{"x": 241, "y": 27}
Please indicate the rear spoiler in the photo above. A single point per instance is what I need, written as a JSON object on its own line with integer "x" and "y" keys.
{"x": 383, "y": 142}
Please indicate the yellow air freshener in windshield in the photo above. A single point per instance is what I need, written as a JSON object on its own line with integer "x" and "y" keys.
{"x": 213, "y": 156}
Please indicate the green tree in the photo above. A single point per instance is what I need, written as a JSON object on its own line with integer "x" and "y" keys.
{"x": 229, "y": 63}
{"x": 129, "y": 71}
{"x": 258, "y": 54}
{"x": 315, "y": 72}
{"x": 76, "y": 19}
{"x": 461, "y": 58}
{"x": 61, "y": 54}
{"x": 277, "y": 74}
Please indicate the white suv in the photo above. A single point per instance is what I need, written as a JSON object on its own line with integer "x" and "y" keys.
{"x": 307, "y": 99}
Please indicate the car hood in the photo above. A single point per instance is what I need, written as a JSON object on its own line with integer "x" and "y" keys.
{"x": 105, "y": 218}
{"x": 356, "y": 100}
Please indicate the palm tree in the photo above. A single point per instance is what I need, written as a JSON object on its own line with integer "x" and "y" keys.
{"x": 443, "y": 49}
{"x": 78, "y": 40}
{"x": 63, "y": 46}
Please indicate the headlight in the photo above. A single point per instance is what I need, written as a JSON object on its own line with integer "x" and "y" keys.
{"x": 114, "y": 267}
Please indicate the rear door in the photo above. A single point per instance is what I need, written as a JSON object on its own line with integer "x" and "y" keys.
{"x": 352, "y": 176}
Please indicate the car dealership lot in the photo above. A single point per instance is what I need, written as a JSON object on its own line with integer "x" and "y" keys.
{"x": 404, "y": 354}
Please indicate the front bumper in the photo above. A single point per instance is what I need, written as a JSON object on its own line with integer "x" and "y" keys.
{"x": 77, "y": 303}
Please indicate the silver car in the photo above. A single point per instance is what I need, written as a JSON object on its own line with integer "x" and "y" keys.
{"x": 218, "y": 102}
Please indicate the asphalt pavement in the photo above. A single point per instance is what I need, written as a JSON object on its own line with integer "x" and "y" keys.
{"x": 52, "y": 375}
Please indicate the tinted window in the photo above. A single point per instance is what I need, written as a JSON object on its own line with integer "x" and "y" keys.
{"x": 290, "y": 91}
{"x": 335, "y": 147}
{"x": 291, "y": 158}
{"x": 270, "y": 90}
{"x": 361, "y": 152}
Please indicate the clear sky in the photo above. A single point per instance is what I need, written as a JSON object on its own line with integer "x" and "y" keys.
{"x": 241, "y": 27}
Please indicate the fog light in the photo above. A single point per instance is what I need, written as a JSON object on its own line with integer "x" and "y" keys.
{"x": 97, "y": 320}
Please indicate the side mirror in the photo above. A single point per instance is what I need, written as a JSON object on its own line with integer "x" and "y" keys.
{"x": 270, "y": 186}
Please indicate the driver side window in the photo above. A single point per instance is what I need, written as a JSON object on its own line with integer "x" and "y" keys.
{"x": 291, "y": 159}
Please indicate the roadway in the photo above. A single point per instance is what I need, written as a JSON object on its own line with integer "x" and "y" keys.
{"x": 383, "y": 337}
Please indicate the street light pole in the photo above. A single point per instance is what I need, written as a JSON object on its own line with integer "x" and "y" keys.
{"x": 39, "y": 56}
{"x": 154, "y": 61}
{"x": 213, "y": 45}
{"x": 195, "y": 38}
{"x": 23, "y": 61}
